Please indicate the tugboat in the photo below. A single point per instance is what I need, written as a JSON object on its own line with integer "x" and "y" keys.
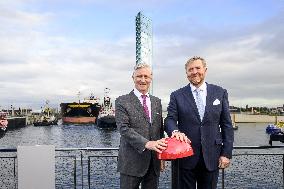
{"x": 81, "y": 112}
{"x": 276, "y": 137}
{"x": 47, "y": 117}
{"x": 106, "y": 118}
{"x": 275, "y": 132}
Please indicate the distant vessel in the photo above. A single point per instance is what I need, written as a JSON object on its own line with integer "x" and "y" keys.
{"x": 272, "y": 129}
{"x": 81, "y": 112}
{"x": 46, "y": 117}
{"x": 106, "y": 118}
{"x": 235, "y": 127}
{"x": 275, "y": 132}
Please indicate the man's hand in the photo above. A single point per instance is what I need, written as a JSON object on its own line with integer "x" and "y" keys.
{"x": 158, "y": 145}
{"x": 180, "y": 136}
{"x": 224, "y": 162}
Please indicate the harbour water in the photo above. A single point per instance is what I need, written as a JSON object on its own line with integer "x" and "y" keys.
{"x": 83, "y": 136}
{"x": 62, "y": 136}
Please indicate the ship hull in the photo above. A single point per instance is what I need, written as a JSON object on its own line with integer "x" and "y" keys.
{"x": 79, "y": 112}
{"x": 79, "y": 119}
{"x": 106, "y": 122}
{"x": 16, "y": 122}
{"x": 45, "y": 123}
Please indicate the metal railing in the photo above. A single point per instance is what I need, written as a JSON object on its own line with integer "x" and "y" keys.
{"x": 96, "y": 168}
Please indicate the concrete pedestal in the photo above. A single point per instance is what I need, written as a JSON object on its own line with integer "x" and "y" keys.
{"x": 36, "y": 167}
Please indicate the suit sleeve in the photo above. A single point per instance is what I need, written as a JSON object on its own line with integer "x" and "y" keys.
{"x": 227, "y": 128}
{"x": 172, "y": 116}
{"x": 126, "y": 131}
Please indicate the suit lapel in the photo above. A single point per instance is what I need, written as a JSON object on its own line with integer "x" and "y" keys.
{"x": 154, "y": 107}
{"x": 190, "y": 99}
{"x": 209, "y": 99}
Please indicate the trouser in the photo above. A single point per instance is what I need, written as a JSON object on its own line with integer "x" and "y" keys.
{"x": 198, "y": 177}
{"x": 149, "y": 181}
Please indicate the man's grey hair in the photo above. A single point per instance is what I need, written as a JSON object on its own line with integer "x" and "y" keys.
{"x": 194, "y": 59}
{"x": 141, "y": 65}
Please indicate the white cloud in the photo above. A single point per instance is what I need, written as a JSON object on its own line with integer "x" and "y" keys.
{"x": 37, "y": 65}
{"x": 251, "y": 73}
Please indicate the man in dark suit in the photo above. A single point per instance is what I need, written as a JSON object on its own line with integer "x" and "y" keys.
{"x": 199, "y": 113}
{"x": 138, "y": 116}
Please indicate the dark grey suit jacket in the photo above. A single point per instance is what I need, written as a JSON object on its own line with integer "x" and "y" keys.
{"x": 213, "y": 136}
{"x": 136, "y": 130}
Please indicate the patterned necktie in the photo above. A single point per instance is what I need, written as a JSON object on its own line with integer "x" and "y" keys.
{"x": 145, "y": 107}
{"x": 199, "y": 103}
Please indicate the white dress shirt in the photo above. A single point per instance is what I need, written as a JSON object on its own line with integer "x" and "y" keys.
{"x": 203, "y": 92}
{"x": 148, "y": 102}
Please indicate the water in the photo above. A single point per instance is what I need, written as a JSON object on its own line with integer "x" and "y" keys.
{"x": 82, "y": 136}
{"x": 251, "y": 134}
{"x": 62, "y": 136}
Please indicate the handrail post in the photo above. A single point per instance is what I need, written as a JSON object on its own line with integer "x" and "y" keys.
{"x": 82, "y": 178}
{"x": 89, "y": 172}
{"x": 175, "y": 174}
{"x": 75, "y": 174}
{"x": 223, "y": 179}
{"x": 15, "y": 171}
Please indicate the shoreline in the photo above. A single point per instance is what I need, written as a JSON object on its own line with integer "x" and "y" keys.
{"x": 247, "y": 118}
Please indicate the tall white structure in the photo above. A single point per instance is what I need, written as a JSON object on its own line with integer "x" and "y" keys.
{"x": 144, "y": 41}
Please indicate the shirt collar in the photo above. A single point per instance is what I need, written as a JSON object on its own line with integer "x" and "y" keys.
{"x": 138, "y": 94}
{"x": 203, "y": 87}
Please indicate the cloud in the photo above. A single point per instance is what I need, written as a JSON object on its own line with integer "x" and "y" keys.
{"x": 248, "y": 62}
{"x": 59, "y": 74}
{"x": 40, "y": 62}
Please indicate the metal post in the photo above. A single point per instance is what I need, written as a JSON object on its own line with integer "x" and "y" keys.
{"x": 283, "y": 170}
{"x": 175, "y": 174}
{"x": 15, "y": 171}
{"x": 223, "y": 179}
{"x": 89, "y": 173}
{"x": 82, "y": 169}
{"x": 75, "y": 177}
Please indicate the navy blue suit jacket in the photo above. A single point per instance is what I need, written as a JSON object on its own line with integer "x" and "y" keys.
{"x": 213, "y": 135}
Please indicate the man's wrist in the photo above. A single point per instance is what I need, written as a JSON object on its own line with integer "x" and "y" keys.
{"x": 175, "y": 131}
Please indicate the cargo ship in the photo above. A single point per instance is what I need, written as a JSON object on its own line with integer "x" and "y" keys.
{"x": 81, "y": 112}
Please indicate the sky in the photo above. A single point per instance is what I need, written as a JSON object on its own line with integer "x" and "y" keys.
{"x": 52, "y": 49}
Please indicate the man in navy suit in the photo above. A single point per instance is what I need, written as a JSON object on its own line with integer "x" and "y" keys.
{"x": 199, "y": 113}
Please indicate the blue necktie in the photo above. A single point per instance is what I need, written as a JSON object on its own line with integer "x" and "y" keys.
{"x": 199, "y": 103}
